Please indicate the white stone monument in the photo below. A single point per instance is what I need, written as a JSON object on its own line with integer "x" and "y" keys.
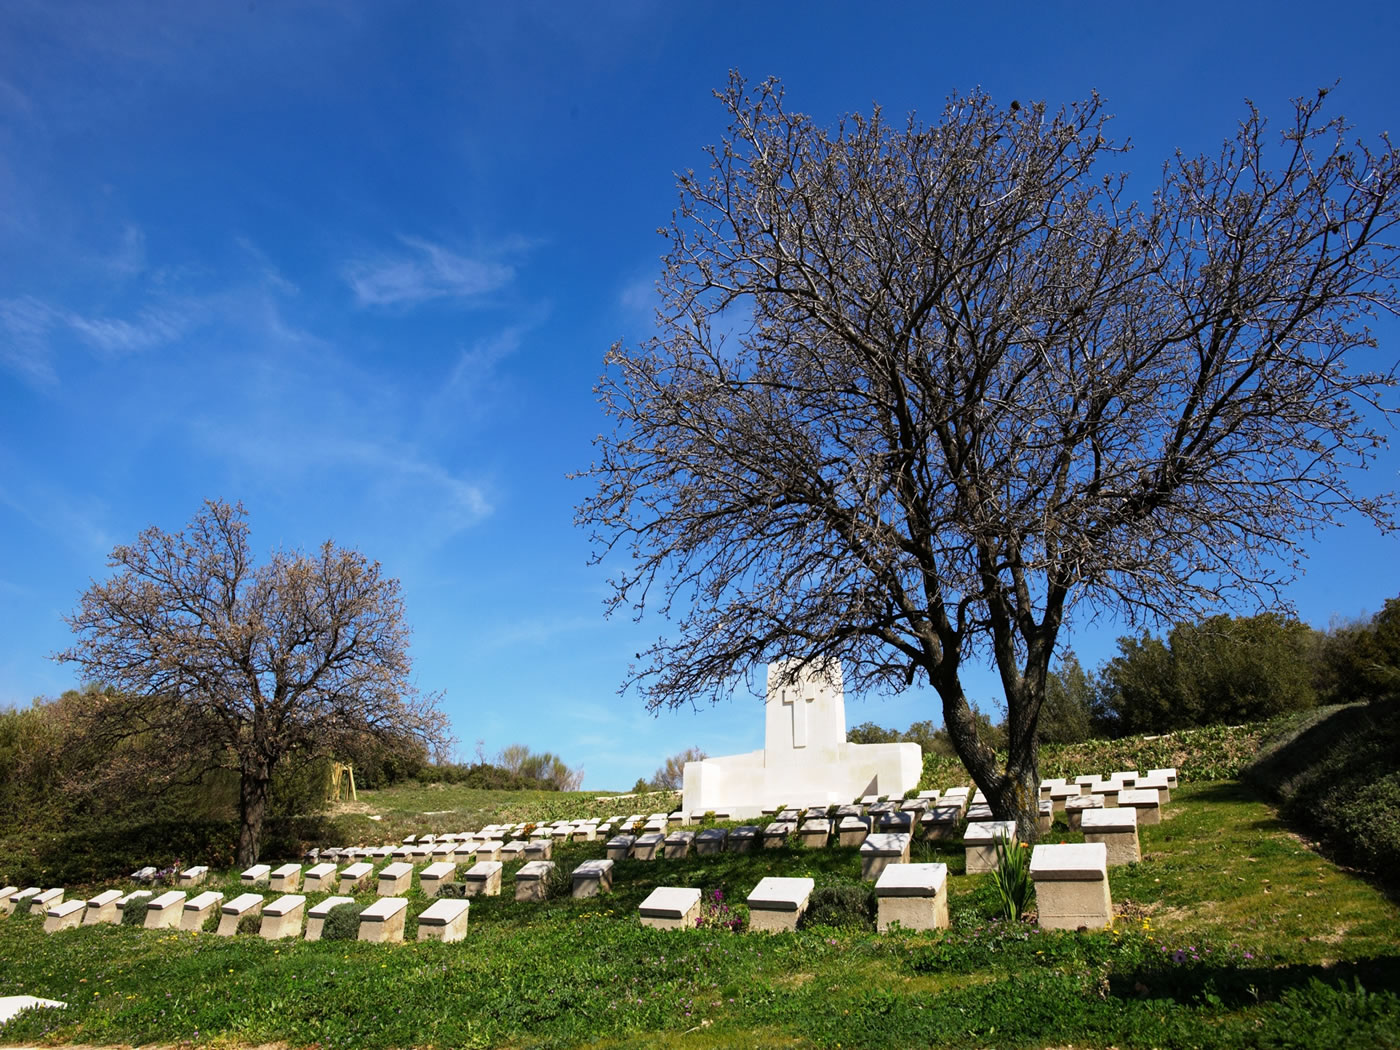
{"x": 805, "y": 755}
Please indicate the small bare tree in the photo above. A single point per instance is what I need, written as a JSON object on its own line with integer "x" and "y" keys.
{"x": 916, "y": 390}
{"x": 670, "y": 775}
{"x": 221, "y": 664}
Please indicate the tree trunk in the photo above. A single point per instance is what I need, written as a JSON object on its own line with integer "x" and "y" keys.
{"x": 1018, "y": 798}
{"x": 254, "y": 786}
{"x": 1013, "y": 792}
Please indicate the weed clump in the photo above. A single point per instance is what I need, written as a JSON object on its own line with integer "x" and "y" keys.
{"x": 849, "y": 907}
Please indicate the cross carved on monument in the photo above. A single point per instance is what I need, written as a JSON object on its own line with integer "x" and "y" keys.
{"x": 793, "y": 696}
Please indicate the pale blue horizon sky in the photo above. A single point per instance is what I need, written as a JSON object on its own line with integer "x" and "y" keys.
{"x": 357, "y": 265}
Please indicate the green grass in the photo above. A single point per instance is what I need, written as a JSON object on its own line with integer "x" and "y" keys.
{"x": 1234, "y": 934}
{"x": 413, "y": 808}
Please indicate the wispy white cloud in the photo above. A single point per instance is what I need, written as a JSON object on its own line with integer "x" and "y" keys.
{"x": 426, "y": 271}
{"x": 152, "y": 327}
{"x": 24, "y": 341}
{"x": 129, "y": 260}
{"x": 639, "y": 295}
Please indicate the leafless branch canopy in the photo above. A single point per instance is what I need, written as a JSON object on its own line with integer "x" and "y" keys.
{"x": 223, "y": 661}
{"x": 918, "y": 388}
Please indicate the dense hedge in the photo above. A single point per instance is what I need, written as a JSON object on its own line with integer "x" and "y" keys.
{"x": 1338, "y": 776}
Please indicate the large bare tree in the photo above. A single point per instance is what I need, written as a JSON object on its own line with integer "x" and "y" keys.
{"x": 916, "y": 390}
{"x": 219, "y": 663}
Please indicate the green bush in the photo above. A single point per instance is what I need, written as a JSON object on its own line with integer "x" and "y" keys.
{"x": 250, "y": 924}
{"x": 342, "y": 923}
{"x": 453, "y": 890}
{"x": 841, "y": 906}
{"x": 134, "y": 911}
{"x": 1338, "y": 777}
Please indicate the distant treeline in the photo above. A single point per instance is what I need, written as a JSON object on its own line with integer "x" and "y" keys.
{"x": 1224, "y": 669}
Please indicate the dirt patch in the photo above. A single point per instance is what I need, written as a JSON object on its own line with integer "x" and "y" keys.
{"x": 794, "y": 980}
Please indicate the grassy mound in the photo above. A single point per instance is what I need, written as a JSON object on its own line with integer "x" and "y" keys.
{"x": 1338, "y": 776}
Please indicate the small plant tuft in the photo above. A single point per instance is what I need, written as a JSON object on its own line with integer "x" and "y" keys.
{"x": 134, "y": 912}
{"x": 1012, "y": 878}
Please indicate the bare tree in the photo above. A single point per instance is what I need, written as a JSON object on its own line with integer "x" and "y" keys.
{"x": 670, "y": 775}
{"x": 222, "y": 664}
{"x": 918, "y": 390}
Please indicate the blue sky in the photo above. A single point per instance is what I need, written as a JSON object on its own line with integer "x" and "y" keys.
{"x": 357, "y": 266}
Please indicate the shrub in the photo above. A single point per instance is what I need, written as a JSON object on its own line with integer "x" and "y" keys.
{"x": 841, "y": 906}
{"x": 1338, "y": 776}
{"x": 134, "y": 911}
{"x": 342, "y": 923}
{"x": 250, "y": 924}
{"x": 453, "y": 890}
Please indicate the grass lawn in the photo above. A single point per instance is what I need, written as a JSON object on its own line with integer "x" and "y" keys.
{"x": 1234, "y": 934}
{"x": 412, "y": 808}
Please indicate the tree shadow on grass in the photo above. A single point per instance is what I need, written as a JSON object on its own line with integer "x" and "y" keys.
{"x": 1240, "y": 791}
{"x": 1233, "y": 987}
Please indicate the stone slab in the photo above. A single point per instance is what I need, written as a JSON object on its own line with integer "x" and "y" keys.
{"x": 711, "y": 841}
{"x": 483, "y": 879}
{"x": 282, "y": 917}
{"x": 102, "y": 908}
{"x": 882, "y": 849}
{"x": 286, "y": 879}
{"x": 382, "y": 922}
{"x": 913, "y": 895}
{"x": 980, "y": 840}
{"x": 12, "y": 1005}
{"x": 532, "y": 880}
{"x": 356, "y": 877}
{"x": 1069, "y": 861}
{"x": 1071, "y": 886}
{"x": 394, "y": 879}
{"x": 912, "y": 880}
{"x": 232, "y": 912}
{"x": 670, "y": 908}
{"x": 319, "y": 878}
{"x": 198, "y": 909}
{"x": 742, "y": 838}
{"x": 1117, "y": 830}
{"x": 192, "y": 876}
{"x": 257, "y": 875}
{"x": 164, "y": 911}
{"x": 619, "y": 847}
{"x": 444, "y": 920}
{"x": 1147, "y": 803}
{"x": 678, "y": 845}
{"x": 592, "y": 877}
{"x": 66, "y": 915}
{"x": 778, "y": 903}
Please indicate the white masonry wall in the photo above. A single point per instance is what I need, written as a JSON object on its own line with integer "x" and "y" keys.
{"x": 805, "y": 757}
